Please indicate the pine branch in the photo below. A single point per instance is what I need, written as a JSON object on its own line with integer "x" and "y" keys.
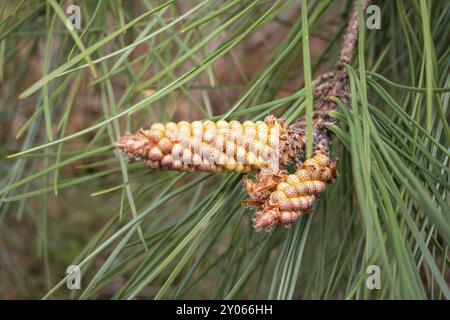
{"x": 194, "y": 147}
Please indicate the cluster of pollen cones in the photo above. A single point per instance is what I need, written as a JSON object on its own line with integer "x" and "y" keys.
{"x": 265, "y": 147}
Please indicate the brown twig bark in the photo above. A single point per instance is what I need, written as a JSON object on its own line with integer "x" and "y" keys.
{"x": 335, "y": 83}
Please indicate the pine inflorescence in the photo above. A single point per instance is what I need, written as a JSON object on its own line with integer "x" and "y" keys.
{"x": 214, "y": 146}
{"x": 264, "y": 147}
{"x": 282, "y": 198}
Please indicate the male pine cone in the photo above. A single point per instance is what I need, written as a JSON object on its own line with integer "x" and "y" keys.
{"x": 214, "y": 146}
{"x": 281, "y": 199}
